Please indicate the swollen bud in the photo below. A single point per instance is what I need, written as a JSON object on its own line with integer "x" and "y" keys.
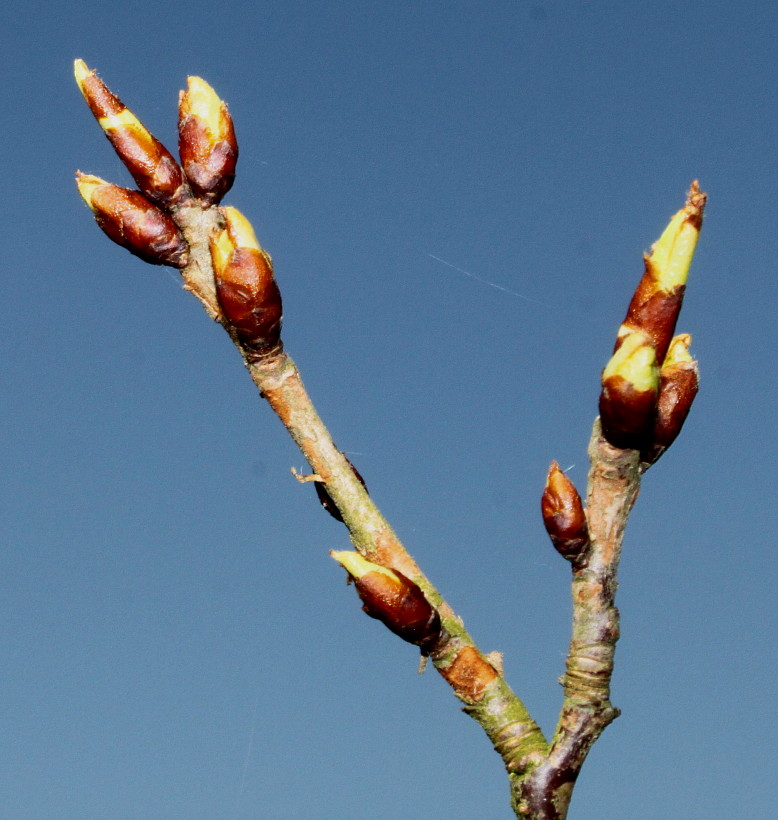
{"x": 152, "y": 166}
{"x": 563, "y": 514}
{"x": 245, "y": 287}
{"x": 679, "y": 383}
{"x": 392, "y": 598}
{"x": 206, "y": 141}
{"x": 657, "y": 301}
{"x": 630, "y": 384}
{"x": 130, "y": 220}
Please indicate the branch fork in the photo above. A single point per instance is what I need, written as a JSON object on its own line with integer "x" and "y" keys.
{"x": 174, "y": 218}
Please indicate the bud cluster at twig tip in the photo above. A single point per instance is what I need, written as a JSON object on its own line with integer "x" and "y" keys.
{"x": 679, "y": 383}
{"x": 206, "y": 141}
{"x": 326, "y": 500}
{"x": 152, "y": 166}
{"x": 130, "y": 220}
{"x": 393, "y": 599}
{"x": 647, "y": 389}
{"x": 563, "y": 515}
{"x": 245, "y": 287}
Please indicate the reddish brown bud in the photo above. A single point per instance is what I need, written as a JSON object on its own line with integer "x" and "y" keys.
{"x": 247, "y": 292}
{"x": 657, "y": 301}
{"x": 393, "y": 599}
{"x": 152, "y": 166}
{"x": 325, "y": 499}
{"x": 679, "y": 383}
{"x": 130, "y": 220}
{"x": 630, "y": 384}
{"x": 563, "y": 514}
{"x": 206, "y": 141}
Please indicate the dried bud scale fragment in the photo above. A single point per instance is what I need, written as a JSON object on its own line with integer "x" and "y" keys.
{"x": 392, "y": 598}
{"x": 659, "y": 296}
{"x": 563, "y": 515}
{"x": 152, "y": 166}
{"x": 245, "y": 287}
{"x": 206, "y": 141}
{"x": 324, "y": 497}
{"x": 679, "y": 383}
{"x": 630, "y": 384}
{"x": 130, "y": 220}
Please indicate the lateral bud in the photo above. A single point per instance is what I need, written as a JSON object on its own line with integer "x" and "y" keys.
{"x": 563, "y": 515}
{"x": 658, "y": 299}
{"x": 326, "y": 500}
{"x": 392, "y": 598}
{"x": 130, "y": 220}
{"x": 206, "y": 141}
{"x": 247, "y": 292}
{"x": 630, "y": 384}
{"x": 152, "y": 166}
{"x": 678, "y": 386}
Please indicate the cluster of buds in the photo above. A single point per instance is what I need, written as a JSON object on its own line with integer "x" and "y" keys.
{"x": 650, "y": 381}
{"x": 564, "y": 516}
{"x": 393, "y": 599}
{"x": 147, "y": 221}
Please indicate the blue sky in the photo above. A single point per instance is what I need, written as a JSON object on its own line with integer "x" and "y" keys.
{"x": 456, "y": 197}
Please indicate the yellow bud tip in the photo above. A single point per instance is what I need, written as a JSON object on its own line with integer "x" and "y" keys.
{"x": 678, "y": 352}
{"x": 241, "y": 232}
{"x": 222, "y": 248}
{"x": 634, "y": 361}
{"x": 671, "y": 255}
{"x": 203, "y": 103}
{"x": 357, "y": 565}
{"x": 86, "y": 186}
{"x": 81, "y": 71}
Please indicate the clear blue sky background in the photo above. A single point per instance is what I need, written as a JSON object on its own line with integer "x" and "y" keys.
{"x": 176, "y": 642}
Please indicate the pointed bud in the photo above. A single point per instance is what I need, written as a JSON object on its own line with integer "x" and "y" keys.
{"x": 206, "y": 141}
{"x": 152, "y": 166}
{"x": 679, "y": 383}
{"x": 324, "y": 497}
{"x": 130, "y": 220}
{"x": 392, "y": 598}
{"x": 247, "y": 292}
{"x": 630, "y": 383}
{"x": 657, "y": 301}
{"x": 563, "y": 514}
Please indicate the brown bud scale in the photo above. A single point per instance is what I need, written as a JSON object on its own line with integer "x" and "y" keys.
{"x": 563, "y": 514}
{"x": 250, "y": 299}
{"x": 131, "y": 221}
{"x": 654, "y": 311}
{"x": 400, "y": 605}
{"x": 209, "y": 166}
{"x": 152, "y": 166}
{"x": 678, "y": 389}
{"x": 626, "y": 414}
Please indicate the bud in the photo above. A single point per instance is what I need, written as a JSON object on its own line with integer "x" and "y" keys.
{"x": 563, "y": 514}
{"x": 630, "y": 383}
{"x": 679, "y": 383}
{"x": 152, "y": 166}
{"x": 657, "y": 301}
{"x": 392, "y": 598}
{"x": 206, "y": 141}
{"x": 247, "y": 292}
{"x": 324, "y": 497}
{"x": 130, "y": 220}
